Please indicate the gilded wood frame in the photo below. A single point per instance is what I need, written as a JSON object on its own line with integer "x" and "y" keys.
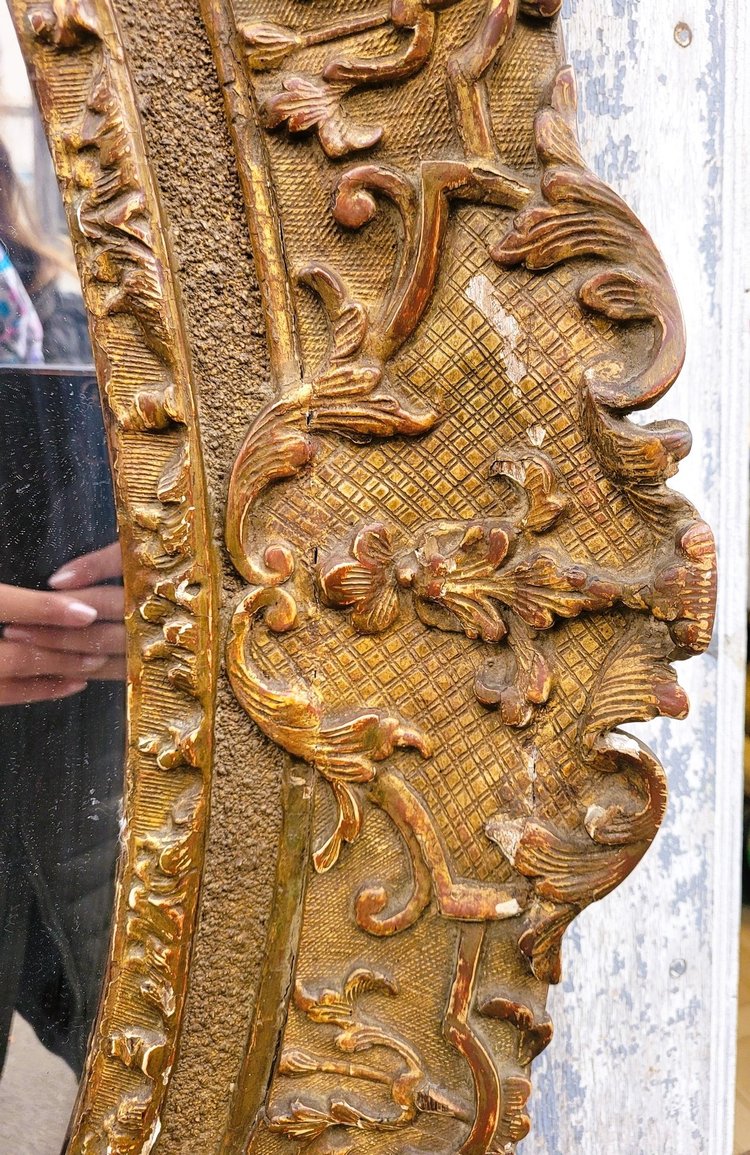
{"x": 500, "y": 586}
{"x": 170, "y": 575}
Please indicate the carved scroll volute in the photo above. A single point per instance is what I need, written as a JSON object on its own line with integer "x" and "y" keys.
{"x": 506, "y": 559}
{"x": 169, "y": 566}
{"x": 463, "y": 569}
{"x": 456, "y": 475}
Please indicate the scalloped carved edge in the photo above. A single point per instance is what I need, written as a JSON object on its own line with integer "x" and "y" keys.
{"x": 129, "y": 289}
{"x": 566, "y": 215}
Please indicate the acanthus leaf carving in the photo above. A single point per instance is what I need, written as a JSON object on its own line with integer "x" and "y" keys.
{"x": 304, "y": 101}
{"x": 537, "y": 478}
{"x": 559, "y": 638}
{"x": 578, "y": 217}
{"x": 410, "y": 1089}
{"x": 119, "y": 238}
{"x": 684, "y": 592}
{"x": 64, "y": 23}
{"x": 636, "y": 684}
{"x": 343, "y": 745}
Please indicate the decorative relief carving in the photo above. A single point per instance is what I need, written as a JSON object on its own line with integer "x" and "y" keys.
{"x": 301, "y": 101}
{"x": 489, "y": 581}
{"x": 409, "y": 1088}
{"x": 564, "y": 634}
{"x": 343, "y": 745}
{"x": 464, "y": 569}
{"x": 137, "y": 334}
{"x": 577, "y": 216}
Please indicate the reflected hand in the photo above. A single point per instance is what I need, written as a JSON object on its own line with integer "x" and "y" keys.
{"x": 56, "y": 642}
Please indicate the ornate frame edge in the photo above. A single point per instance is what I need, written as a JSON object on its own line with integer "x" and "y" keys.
{"x": 169, "y": 562}
{"x": 529, "y": 847}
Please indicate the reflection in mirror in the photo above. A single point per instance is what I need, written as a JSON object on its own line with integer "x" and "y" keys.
{"x": 62, "y": 665}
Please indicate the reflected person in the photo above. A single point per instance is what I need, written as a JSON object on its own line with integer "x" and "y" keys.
{"x": 47, "y": 273}
{"x": 61, "y": 690}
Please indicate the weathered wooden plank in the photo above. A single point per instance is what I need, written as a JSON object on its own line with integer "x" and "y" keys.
{"x": 643, "y": 1059}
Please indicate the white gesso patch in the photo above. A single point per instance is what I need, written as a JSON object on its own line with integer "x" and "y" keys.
{"x": 153, "y": 1135}
{"x": 480, "y": 291}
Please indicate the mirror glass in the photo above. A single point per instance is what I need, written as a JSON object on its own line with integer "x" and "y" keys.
{"x": 62, "y": 666}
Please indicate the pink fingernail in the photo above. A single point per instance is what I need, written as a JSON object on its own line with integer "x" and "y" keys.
{"x": 82, "y": 613}
{"x": 64, "y": 577}
{"x": 17, "y": 634}
{"x": 73, "y": 687}
{"x": 93, "y": 663}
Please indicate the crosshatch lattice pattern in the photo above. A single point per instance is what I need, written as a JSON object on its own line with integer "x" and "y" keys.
{"x": 449, "y": 593}
{"x": 480, "y": 766}
{"x": 418, "y": 915}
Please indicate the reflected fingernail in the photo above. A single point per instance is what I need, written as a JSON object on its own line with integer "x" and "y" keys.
{"x": 72, "y": 687}
{"x": 93, "y": 663}
{"x": 82, "y": 613}
{"x": 17, "y": 634}
{"x": 64, "y": 577}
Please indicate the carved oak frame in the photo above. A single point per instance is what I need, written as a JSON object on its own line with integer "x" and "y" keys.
{"x": 504, "y": 581}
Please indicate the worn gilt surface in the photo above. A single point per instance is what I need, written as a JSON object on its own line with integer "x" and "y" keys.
{"x": 75, "y": 56}
{"x": 464, "y": 570}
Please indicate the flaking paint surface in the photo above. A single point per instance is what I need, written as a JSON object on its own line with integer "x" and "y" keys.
{"x": 642, "y": 1059}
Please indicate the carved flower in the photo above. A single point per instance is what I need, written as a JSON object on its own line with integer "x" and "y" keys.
{"x": 307, "y": 102}
{"x": 361, "y": 576}
{"x": 462, "y": 577}
{"x": 449, "y": 575}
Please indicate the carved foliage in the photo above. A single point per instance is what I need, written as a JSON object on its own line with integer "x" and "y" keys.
{"x": 496, "y": 581}
{"x": 111, "y": 202}
{"x": 343, "y": 744}
{"x": 409, "y": 1088}
{"x": 577, "y": 217}
{"x": 504, "y": 580}
{"x": 303, "y": 102}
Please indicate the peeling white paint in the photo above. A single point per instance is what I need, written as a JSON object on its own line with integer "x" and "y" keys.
{"x": 623, "y": 743}
{"x": 480, "y": 292}
{"x": 643, "y": 1056}
{"x": 150, "y": 1141}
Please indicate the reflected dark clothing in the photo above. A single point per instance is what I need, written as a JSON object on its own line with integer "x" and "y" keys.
{"x": 60, "y": 786}
{"x": 65, "y": 333}
{"x": 60, "y": 761}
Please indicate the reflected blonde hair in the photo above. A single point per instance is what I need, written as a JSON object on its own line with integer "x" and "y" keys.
{"x": 36, "y": 261}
